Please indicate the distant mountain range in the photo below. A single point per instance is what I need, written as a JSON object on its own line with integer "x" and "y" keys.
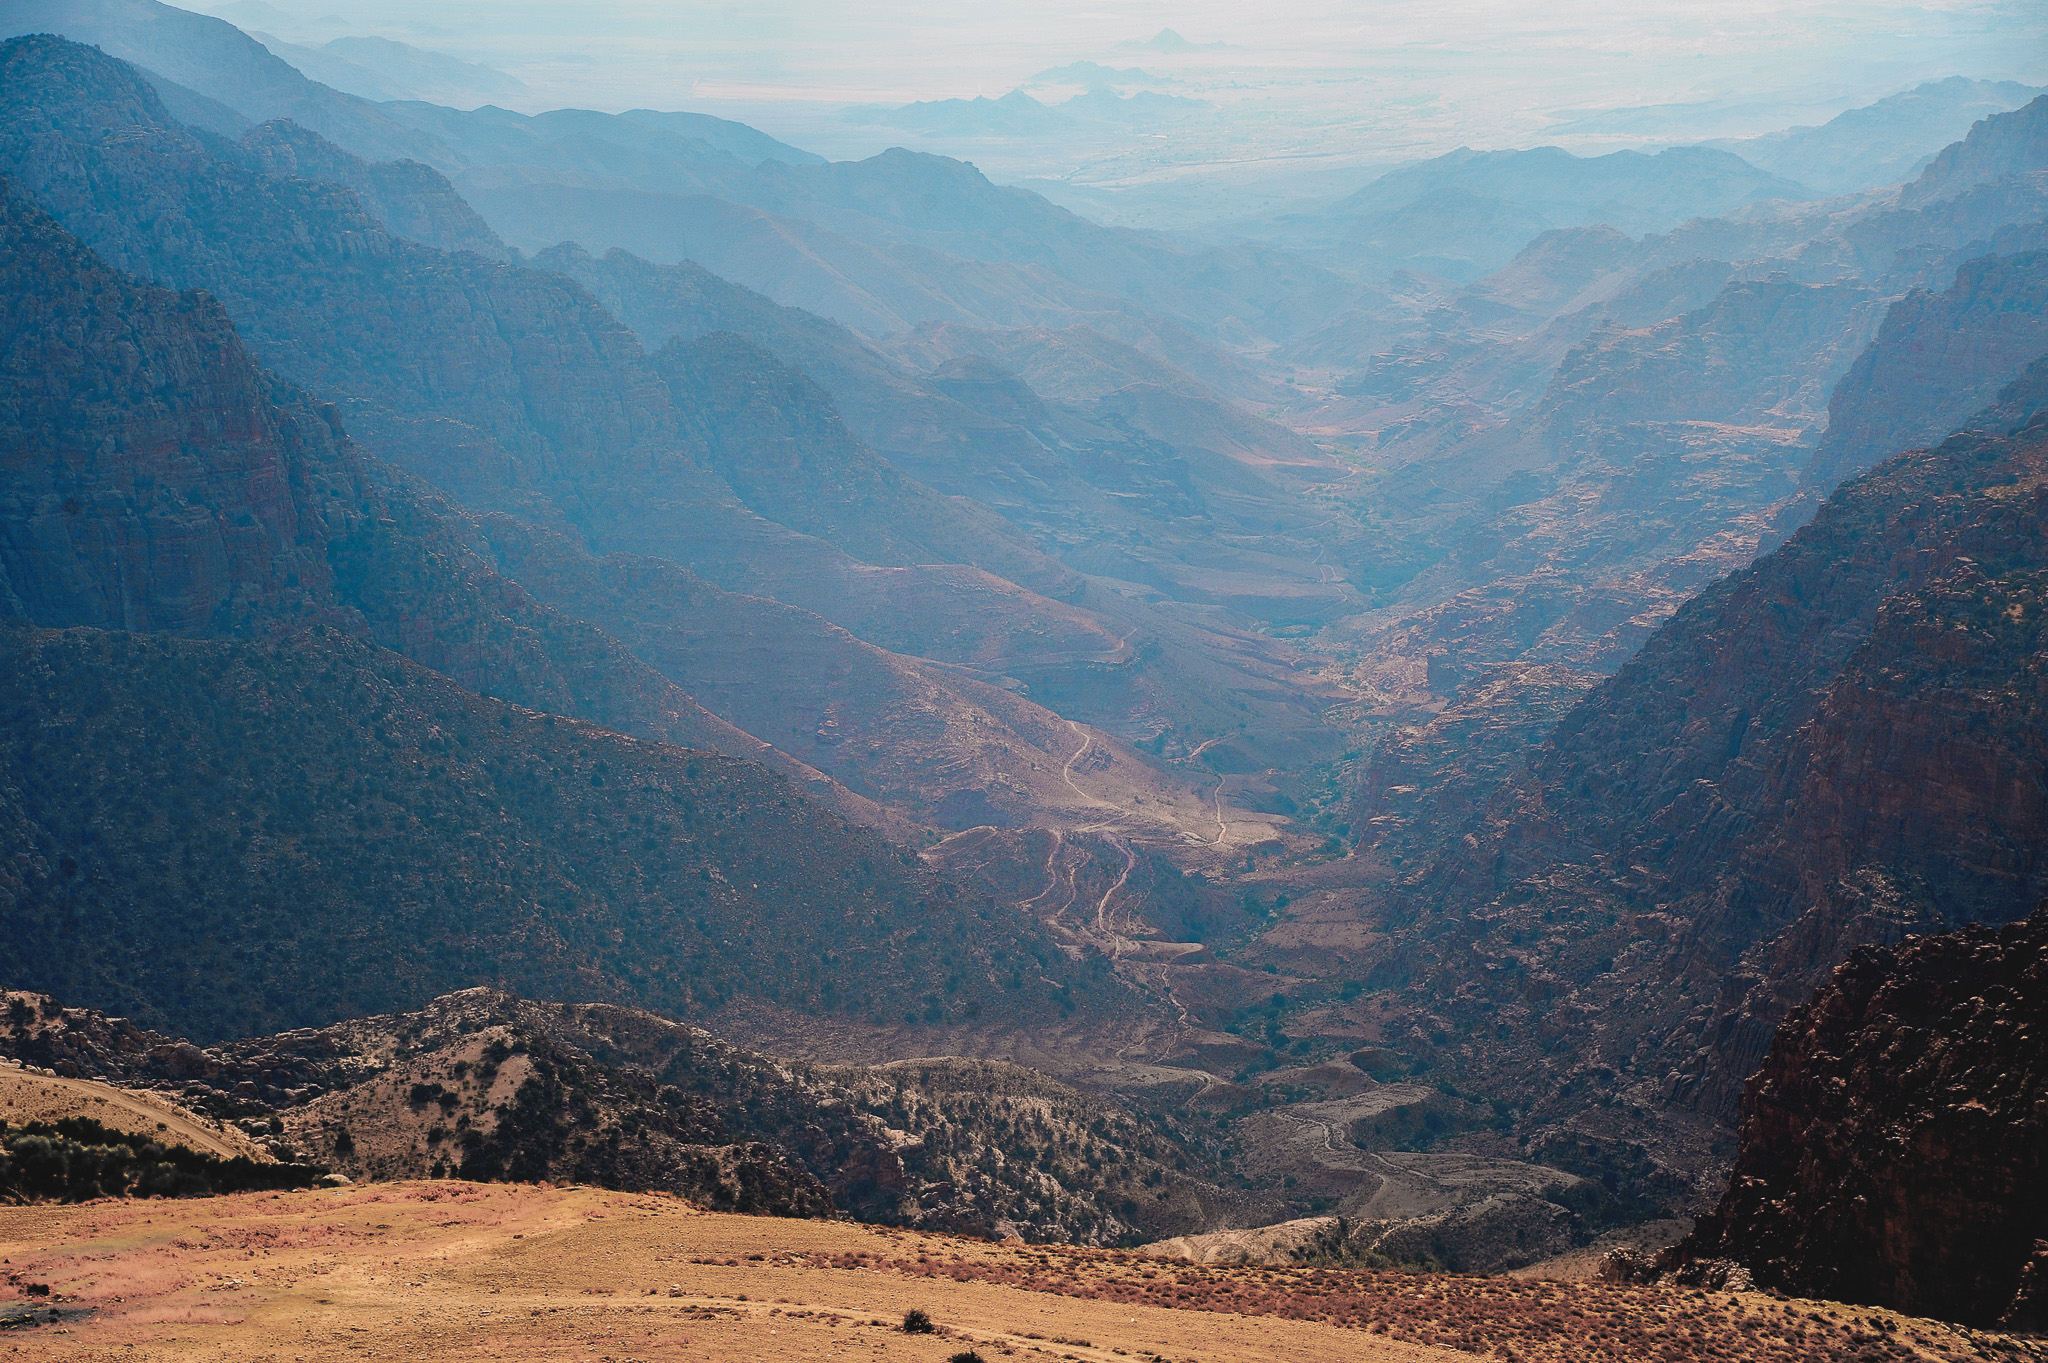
{"x": 1882, "y": 143}
{"x": 1017, "y": 114}
{"x": 381, "y": 69}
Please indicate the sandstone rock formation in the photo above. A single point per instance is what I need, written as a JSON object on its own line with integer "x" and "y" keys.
{"x": 1895, "y": 1142}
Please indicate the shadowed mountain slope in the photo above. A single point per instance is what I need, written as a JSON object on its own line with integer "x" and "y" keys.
{"x": 410, "y": 199}
{"x": 163, "y": 482}
{"x": 1837, "y": 745}
{"x": 223, "y": 838}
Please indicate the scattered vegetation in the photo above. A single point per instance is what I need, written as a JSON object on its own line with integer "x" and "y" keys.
{"x": 76, "y": 1159}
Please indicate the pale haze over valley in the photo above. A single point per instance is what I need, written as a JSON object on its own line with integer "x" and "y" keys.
{"x": 1285, "y": 94}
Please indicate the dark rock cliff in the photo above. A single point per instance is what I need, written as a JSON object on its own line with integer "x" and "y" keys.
{"x": 1895, "y": 1142}
{"x": 1839, "y": 745}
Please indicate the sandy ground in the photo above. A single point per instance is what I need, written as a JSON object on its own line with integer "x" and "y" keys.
{"x": 26, "y": 1097}
{"x": 466, "y": 1271}
{"x": 463, "y": 1271}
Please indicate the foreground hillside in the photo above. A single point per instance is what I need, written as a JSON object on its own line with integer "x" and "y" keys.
{"x": 454, "y": 1270}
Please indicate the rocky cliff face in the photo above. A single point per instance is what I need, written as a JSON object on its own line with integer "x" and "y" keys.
{"x": 1997, "y": 148}
{"x": 1895, "y": 1141}
{"x": 1837, "y": 746}
{"x": 1937, "y": 358}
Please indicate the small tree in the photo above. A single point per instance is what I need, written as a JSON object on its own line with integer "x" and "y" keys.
{"x": 916, "y": 1321}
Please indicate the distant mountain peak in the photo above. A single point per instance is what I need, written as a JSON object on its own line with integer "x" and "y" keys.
{"x": 1166, "y": 40}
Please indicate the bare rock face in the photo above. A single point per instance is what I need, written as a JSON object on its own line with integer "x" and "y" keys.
{"x": 1999, "y": 147}
{"x": 1895, "y": 1143}
{"x": 1937, "y": 358}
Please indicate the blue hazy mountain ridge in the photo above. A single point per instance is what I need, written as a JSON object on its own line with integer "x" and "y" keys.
{"x": 1018, "y": 114}
{"x": 838, "y": 239}
{"x": 554, "y": 388}
{"x": 513, "y": 390}
{"x": 1095, "y": 73}
{"x": 1467, "y": 213}
{"x": 1166, "y": 40}
{"x": 382, "y": 69}
{"x": 1883, "y": 143}
{"x": 337, "y": 72}
{"x": 223, "y": 64}
{"x": 230, "y": 504}
{"x": 834, "y": 238}
{"x": 504, "y": 136}
{"x": 215, "y": 58}
{"x": 1078, "y": 466}
{"x": 410, "y": 199}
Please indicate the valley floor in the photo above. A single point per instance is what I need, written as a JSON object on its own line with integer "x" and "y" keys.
{"x": 454, "y": 1270}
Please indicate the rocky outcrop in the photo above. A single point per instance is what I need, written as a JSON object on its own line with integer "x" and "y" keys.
{"x": 1895, "y": 1142}
{"x": 484, "y": 1085}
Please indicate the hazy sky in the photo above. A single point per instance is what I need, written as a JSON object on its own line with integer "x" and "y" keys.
{"x": 1381, "y": 81}
{"x": 1631, "y": 50}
